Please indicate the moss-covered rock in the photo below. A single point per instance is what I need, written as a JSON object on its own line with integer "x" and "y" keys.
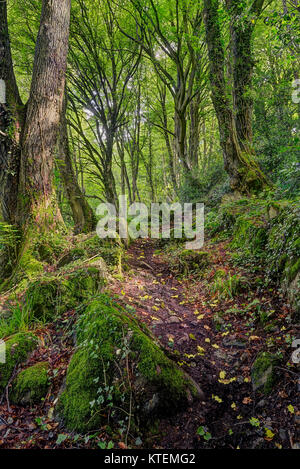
{"x": 17, "y": 350}
{"x": 263, "y": 372}
{"x": 119, "y": 369}
{"x": 31, "y": 385}
{"x": 54, "y": 295}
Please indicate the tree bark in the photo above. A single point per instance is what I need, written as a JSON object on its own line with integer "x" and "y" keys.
{"x": 11, "y": 121}
{"x": 83, "y": 216}
{"x": 245, "y": 175}
{"x": 37, "y": 201}
{"x": 241, "y": 33}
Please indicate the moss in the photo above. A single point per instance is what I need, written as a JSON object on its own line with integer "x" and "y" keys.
{"x": 263, "y": 372}
{"x": 264, "y": 233}
{"x": 73, "y": 255}
{"x": 117, "y": 365}
{"x": 220, "y": 273}
{"x": 18, "y": 348}
{"x": 192, "y": 261}
{"x": 29, "y": 266}
{"x": 111, "y": 250}
{"x": 186, "y": 261}
{"x": 292, "y": 269}
{"x": 31, "y": 385}
{"x": 55, "y": 295}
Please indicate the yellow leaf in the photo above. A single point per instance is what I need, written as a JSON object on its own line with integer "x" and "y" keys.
{"x": 222, "y": 374}
{"x": 189, "y": 356}
{"x": 269, "y": 434}
{"x": 233, "y": 406}
{"x": 217, "y": 398}
{"x": 215, "y": 346}
{"x": 207, "y": 340}
{"x": 291, "y": 409}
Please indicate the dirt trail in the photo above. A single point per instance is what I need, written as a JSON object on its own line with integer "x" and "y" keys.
{"x": 182, "y": 315}
{"x": 214, "y": 340}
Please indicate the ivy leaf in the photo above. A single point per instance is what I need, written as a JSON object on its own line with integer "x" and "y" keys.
{"x": 61, "y": 438}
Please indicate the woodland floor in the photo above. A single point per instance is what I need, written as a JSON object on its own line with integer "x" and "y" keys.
{"x": 180, "y": 312}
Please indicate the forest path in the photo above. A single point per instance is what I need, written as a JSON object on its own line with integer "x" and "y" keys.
{"x": 215, "y": 340}
{"x": 217, "y": 350}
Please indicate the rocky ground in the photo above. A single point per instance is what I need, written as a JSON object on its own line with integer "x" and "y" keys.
{"x": 216, "y": 340}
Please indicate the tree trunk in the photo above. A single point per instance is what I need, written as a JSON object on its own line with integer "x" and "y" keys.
{"x": 180, "y": 141}
{"x": 83, "y": 216}
{"x": 11, "y": 119}
{"x": 241, "y": 33}
{"x": 171, "y": 159}
{"x": 37, "y": 201}
{"x": 194, "y": 131}
{"x": 245, "y": 175}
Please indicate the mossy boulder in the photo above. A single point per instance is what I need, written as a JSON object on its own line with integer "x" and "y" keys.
{"x": 31, "y": 385}
{"x": 17, "y": 350}
{"x": 54, "y": 295}
{"x": 263, "y": 372}
{"x": 119, "y": 369}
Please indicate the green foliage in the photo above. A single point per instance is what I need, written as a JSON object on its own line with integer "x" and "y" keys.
{"x": 202, "y": 431}
{"x": 205, "y": 186}
{"x": 266, "y": 233}
{"x": 186, "y": 262}
{"x": 19, "y": 320}
{"x": 31, "y": 385}
{"x": 226, "y": 286}
{"x": 54, "y": 295}
{"x": 111, "y": 250}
